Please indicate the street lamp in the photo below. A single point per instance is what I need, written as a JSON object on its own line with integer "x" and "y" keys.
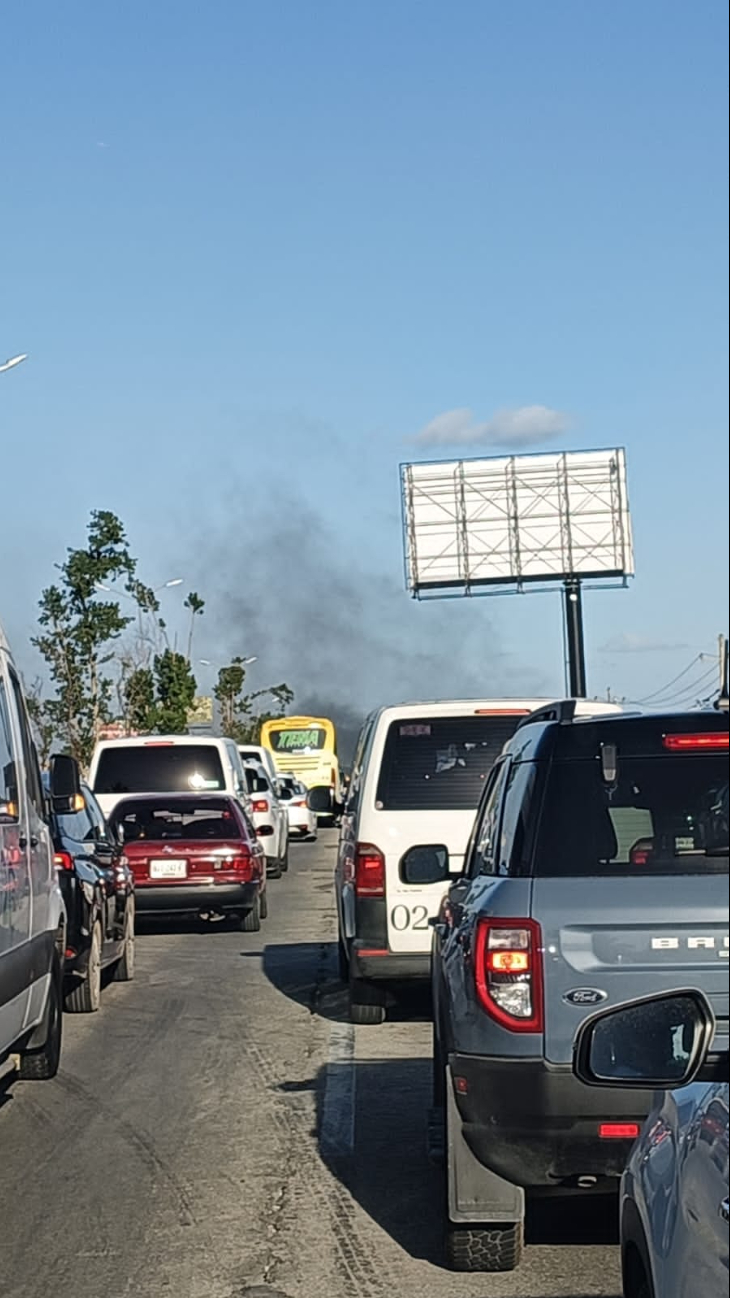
{"x": 176, "y": 581}
{"x": 245, "y": 662}
{"x": 14, "y": 360}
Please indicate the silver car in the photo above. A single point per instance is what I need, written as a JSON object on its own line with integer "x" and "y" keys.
{"x": 674, "y": 1192}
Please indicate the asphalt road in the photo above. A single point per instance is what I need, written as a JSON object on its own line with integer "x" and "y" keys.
{"x": 219, "y": 1131}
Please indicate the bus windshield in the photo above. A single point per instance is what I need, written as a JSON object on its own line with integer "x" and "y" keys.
{"x": 304, "y": 747}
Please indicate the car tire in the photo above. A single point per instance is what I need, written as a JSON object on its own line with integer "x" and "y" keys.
{"x": 284, "y": 860}
{"x": 251, "y": 921}
{"x": 40, "y": 1064}
{"x": 263, "y": 905}
{"x": 484, "y": 1248}
{"x": 85, "y": 996}
{"x": 439, "y": 1073}
{"x": 273, "y": 870}
{"x": 367, "y": 1002}
{"x": 637, "y": 1283}
{"x": 124, "y": 968}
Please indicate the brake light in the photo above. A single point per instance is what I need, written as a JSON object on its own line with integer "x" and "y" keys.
{"x": 618, "y": 1130}
{"x": 158, "y": 743}
{"x": 242, "y": 863}
{"x": 711, "y": 741}
{"x": 260, "y": 805}
{"x": 502, "y": 712}
{"x": 508, "y": 972}
{"x": 63, "y": 861}
{"x": 369, "y": 871}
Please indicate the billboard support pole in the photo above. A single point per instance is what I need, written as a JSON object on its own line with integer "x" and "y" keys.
{"x": 573, "y": 607}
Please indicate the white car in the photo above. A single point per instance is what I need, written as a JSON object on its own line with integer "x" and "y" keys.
{"x": 269, "y": 818}
{"x": 257, "y": 753}
{"x": 302, "y": 820}
{"x": 674, "y": 1192}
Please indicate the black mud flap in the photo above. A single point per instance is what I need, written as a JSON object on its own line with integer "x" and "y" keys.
{"x": 474, "y": 1193}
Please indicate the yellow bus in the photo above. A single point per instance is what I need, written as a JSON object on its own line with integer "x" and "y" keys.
{"x": 305, "y": 747}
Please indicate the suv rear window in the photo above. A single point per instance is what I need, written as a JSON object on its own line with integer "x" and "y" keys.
{"x": 185, "y": 818}
{"x": 665, "y": 815}
{"x": 440, "y": 763}
{"x": 177, "y": 768}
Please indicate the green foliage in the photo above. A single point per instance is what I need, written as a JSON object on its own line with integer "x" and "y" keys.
{"x": 157, "y": 699}
{"x": 239, "y": 720}
{"x": 195, "y": 605}
{"x": 78, "y": 629}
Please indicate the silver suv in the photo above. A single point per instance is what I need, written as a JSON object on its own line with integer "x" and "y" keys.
{"x": 596, "y": 873}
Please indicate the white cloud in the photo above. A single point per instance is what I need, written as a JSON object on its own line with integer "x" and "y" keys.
{"x": 631, "y": 643}
{"x": 523, "y": 426}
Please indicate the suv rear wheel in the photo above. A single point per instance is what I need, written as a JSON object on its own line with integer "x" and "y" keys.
{"x": 484, "y": 1248}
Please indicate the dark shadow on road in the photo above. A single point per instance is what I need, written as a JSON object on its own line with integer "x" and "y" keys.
{"x": 391, "y": 1177}
{"x": 307, "y": 973}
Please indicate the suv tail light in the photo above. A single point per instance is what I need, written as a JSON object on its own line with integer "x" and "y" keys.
{"x": 261, "y": 806}
{"x": 63, "y": 861}
{"x": 508, "y": 971}
{"x": 369, "y": 871}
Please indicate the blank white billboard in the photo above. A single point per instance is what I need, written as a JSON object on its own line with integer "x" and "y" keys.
{"x": 514, "y": 520}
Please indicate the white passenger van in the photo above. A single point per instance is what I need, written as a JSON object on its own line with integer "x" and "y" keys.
{"x": 32, "y": 915}
{"x": 166, "y": 764}
{"x": 417, "y": 778}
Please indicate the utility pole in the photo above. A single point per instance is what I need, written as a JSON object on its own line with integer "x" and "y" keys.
{"x": 722, "y": 703}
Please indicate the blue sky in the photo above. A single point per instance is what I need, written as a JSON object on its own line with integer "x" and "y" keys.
{"x": 253, "y": 248}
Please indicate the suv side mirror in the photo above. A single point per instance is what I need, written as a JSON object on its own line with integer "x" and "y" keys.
{"x": 424, "y": 865}
{"x": 658, "y": 1043}
{"x": 64, "y": 781}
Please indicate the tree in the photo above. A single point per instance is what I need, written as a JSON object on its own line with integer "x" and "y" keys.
{"x": 138, "y": 699}
{"x": 78, "y": 630}
{"x": 196, "y": 606}
{"x": 175, "y": 691}
{"x": 239, "y": 721}
{"x": 42, "y": 720}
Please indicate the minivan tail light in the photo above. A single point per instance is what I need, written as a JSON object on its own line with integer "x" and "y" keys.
{"x": 369, "y": 871}
{"x": 709, "y": 741}
{"x": 63, "y": 861}
{"x": 509, "y": 974}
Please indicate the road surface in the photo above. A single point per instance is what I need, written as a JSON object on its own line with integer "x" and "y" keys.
{"x": 219, "y": 1130}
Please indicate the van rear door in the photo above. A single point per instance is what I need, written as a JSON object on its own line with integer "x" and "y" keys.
{"x": 431, "y": 778}
{"x": 630, "y": 886}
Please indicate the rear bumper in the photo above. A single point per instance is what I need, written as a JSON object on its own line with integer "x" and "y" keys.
{"x": 374, "y": 964}
{"x": 188, "y": 898}
{"x": 535, "y": 1124}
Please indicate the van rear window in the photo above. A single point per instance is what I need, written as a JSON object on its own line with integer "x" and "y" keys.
{"x": 663, "y": 815}
{"x": 177, "y": 768}
{"x": 440, "y": 763}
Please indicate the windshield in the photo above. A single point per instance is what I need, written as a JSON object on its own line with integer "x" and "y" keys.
{"x": 184, "y": 818}
{"x": 310, "y": 739}
{"x": 440, "y": 763}
{"x": 664, "y": 815}
{"x": 169, "y": 768}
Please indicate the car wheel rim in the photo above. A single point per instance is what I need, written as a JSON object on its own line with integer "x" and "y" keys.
{"x": 130, "y": 941}
{"x": 94, "y": 974}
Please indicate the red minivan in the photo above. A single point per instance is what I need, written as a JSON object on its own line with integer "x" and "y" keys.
{"x": 193, "y": 854}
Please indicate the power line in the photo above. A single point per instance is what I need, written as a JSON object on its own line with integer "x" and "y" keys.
{"x": 673, "y": 681}
{"x": 677, "y": 700}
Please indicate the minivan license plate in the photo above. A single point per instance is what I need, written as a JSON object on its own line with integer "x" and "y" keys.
{"x": 168, "y": 869}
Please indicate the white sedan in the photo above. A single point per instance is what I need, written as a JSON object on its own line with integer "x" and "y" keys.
{"x": 302, "y": 820}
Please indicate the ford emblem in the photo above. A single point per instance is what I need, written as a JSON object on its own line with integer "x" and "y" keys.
{"x": 585, "y": 996}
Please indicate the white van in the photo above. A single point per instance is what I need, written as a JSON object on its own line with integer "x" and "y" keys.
{"x": 166, "y": 764}
{"x": 264, "y": 756}
{"x": 417, "y": 778}
{"x": 32, "y": 915}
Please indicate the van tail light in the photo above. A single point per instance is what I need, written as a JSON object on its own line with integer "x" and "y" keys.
{"x": 369, "y": 871}
{"x": 63, "y": 861}
{"x": 509, "y": 974}
{"x": 260, "y": 806}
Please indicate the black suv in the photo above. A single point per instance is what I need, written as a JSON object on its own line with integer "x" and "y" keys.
{"x": 98, "y": 892}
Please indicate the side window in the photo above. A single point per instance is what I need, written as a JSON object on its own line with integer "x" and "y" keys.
{"x": 358, "y": 764}
{"x": 486, "y": 850}
{"x": 518, "y": 819}
{"x": 32, "y": 774}
{"x": 9, "y": 794}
